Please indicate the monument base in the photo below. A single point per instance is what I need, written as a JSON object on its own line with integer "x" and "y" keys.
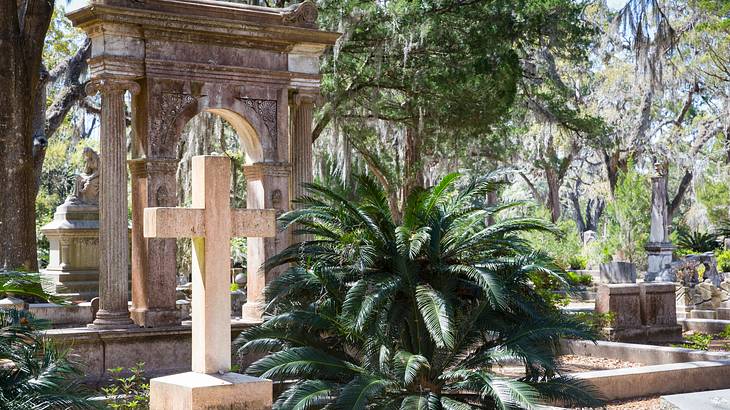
{"x": 659, "y": 255}
{"x": 155, "y": 317}
{"x": 646, "y": 334}
{"x": 198, "y": 391}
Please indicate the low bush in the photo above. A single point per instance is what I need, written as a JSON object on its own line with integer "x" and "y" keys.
{"x": 597, "y": 321}
{"x": 696, "y": 242}
{"x": 578, "y": 279}
{"x": 723, "y": 261}
{"x": 128, "y": 393}
{"x": 697, "y": 341}
{"x": 577, "y": 262}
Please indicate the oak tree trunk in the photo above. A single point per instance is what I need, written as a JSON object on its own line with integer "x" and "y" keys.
{"x": 24, "y": 26}
{"x": 412, "y": 170}
{"x": 553, "y": 197}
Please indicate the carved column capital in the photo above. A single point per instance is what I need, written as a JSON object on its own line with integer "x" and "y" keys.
{"x": 306, "y": 98}
{"x": 111, "y": 85}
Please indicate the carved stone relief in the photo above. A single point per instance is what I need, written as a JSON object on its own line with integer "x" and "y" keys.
{"x": 304, "y": 14}
{"x": 266, "y": 111}
{"x": 170, "y": 105}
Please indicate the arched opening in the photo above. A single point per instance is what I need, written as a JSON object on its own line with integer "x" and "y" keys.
{"x": 221, "y": 132}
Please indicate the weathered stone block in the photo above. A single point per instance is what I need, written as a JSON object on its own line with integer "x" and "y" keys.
{"x": 643, "y": 312}
{"x": 618, "y": 272}
{"x": 624, "y": 301}
{"x": 197, "y": 391}
{"x": 659, "y": 312}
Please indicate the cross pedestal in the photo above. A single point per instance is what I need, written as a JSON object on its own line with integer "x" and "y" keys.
{"x": 210, "y": 223}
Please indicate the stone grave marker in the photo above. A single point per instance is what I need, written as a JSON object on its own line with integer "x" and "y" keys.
{"x": 618, "y": 272}
{"x": 211, "y": 223}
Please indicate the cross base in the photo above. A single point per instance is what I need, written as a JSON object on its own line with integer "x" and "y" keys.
{"x": 197, "y": 391}
{"x": 111, "y": 320}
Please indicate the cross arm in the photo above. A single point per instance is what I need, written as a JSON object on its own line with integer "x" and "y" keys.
{"x": 253, "y": 223}
{"x": 173, "y": 223}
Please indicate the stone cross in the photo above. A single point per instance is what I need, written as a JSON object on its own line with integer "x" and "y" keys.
{"x": 211, "y": 223}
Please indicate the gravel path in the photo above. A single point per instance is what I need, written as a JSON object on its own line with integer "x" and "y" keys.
{"x": 575, "y": 364}
{"x": 644, "y": 403}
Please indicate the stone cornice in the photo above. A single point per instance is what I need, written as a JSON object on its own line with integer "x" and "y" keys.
{"x": 228, "y": 74}
{"x": 210, "y": 19}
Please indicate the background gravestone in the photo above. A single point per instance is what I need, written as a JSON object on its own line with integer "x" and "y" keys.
{"x": 617, "y": 272}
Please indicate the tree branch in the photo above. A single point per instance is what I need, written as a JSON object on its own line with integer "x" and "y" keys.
{"x": 531, "y": 186}
{"x": 681, "y": 190}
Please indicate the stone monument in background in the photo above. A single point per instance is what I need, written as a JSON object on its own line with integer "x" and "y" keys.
{"x": 73, "y": 267}
{"x": 659, "y": 248}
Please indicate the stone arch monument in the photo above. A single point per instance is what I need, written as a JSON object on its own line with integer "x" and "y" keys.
{"x": 256, "y": 67}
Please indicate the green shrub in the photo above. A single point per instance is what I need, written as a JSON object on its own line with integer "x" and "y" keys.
{"x": 713, "y": 195}
{"x": 697, "y": 341}
{"x": 725, "y": 334}
{"x": 696, "y": 242}
{"x": 413, "y": 312}
{"x": 723, "y": 261}
{"x": 628, "y": 219}
{"x": 578, "y": 279}
{"x": 35, "y": 373}
{"x": 599, "y": 322}
{"x": 128, "y": 393}
{"x": 577, "y": 262}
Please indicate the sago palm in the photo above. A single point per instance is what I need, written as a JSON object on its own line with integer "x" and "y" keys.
{"x": 35, "y": 374}
{"x": 419, "y": 313}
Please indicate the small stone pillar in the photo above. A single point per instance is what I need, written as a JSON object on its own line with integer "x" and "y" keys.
{"x": 659, "y": 248}
{"x": 267, "y": 187}
{"x": 113, "y": 221}
{"x": 301, "y": 142}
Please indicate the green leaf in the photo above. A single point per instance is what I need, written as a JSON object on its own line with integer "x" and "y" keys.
{"x": 307, "y": 394}
{"x": 356, "y": 394}
{"x": 299, "y": 362}
{"x": 437, "y": 315}
{"x": 410, "y": 366}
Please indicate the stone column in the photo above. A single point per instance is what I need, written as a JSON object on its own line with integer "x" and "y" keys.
{"x": 659, "y": 248}
{"x": 113, "y": 224}
{"x": 301, "y": 142}
{"x": 154, "y": 273}
{"x": 267, "y": 187}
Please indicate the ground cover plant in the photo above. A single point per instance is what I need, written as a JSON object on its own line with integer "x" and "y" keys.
{"x": 413, "y": 313}
{"x": 128, "y": 392}
{"x": 35, "y": 373}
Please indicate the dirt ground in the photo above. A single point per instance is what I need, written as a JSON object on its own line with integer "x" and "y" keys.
{"x": 573, "y": 364}
{"x": 644, "y": 403}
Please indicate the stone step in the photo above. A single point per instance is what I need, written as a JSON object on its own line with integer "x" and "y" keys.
{"x": 713, "y": 399}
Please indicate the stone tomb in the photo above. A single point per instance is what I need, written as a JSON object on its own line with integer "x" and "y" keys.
{"x": 210, "y": 223}
{"x": 73, "y": 235}
{"x": 644, "y": 312}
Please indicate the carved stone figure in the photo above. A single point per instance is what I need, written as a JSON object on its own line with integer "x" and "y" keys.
{"x": 86, "y": 186}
